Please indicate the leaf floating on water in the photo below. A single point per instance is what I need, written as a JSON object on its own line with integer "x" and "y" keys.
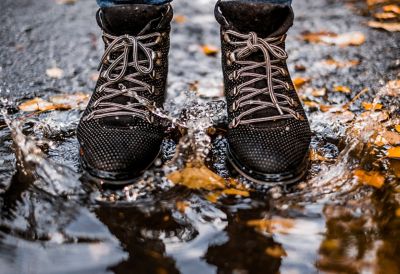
{"x": 394, "y": 152}
{"x": 236, "y": 192}
{"x": 371, "y": 178}
{"x": 276, "y": 251}
{"x": 210, "y": 50}
{"x": 330, "y": 38}
{"x": 280, "y": 225}
{"x": 55, "y": 72}
{"x": 197, "y": 178}
{"x": 388, "y": 26}
{"x": 36, "y": 104}
{"x": 371, "y": 106}
{"x": 342, "y": 89}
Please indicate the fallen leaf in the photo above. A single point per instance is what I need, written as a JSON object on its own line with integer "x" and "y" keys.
{"x": 300, "y": 81}
{"x": 318, "y": 92}
{"x": 341, "y": 64}
{"x": 385, "y": 15}
{"x": 197, "y": 178}
{"x": 389, "y": 26}
{"x": 236, "y": 192}
{"x": 397, "y": 212}
{"x": 375, "y": 2}
{"x": 371, "y": 106}
{"x": 394, "y": 152}
{"x": 371, "y": 178}
{"x": 330, "y": 244}
{"x": 392, "y": 88}
{"x": 95, "y": 76}
{"x": 342, "y": 89}
{"x": 392, "y": 8}
{"x": 299, "y": 67}
{"x": 66, "y": 2}
{"x": 55, "y": 72}
{"x": 36, "y": 104}
{"x": 276, "y": 251}
{"x": 311, "y": 104}
{"x": 280, "y": 225}
{"x": 315, "y": 156}
{"x": 181, "y": 206}
{"x": 180, "y": 19}
{"x": 346, "y": 39}
{"x": 210, "y": 50}
{"x": 397, "y": 127}
{"x": 213, "y": 197}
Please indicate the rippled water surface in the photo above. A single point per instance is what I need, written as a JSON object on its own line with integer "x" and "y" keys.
{"x": 189, "y": 213}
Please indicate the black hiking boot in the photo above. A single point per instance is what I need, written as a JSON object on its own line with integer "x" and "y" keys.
{"x": 269, "y": 135}
{"x": 118, "y": 136}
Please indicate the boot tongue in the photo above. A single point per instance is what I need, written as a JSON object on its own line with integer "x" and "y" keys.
{"x": 130, "y": 19}
{"x": 266, "y": 19}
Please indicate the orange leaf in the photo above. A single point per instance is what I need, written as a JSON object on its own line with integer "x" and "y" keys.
{"x": 210, "y": 50}
{"x": 394, "y": 152}
{"x": 371, "y": 106}
{"x": 397, "y": 127}
{"x": 342, "y": 89}
{"x": 232, "y": 191}
{"x": 371, "y": 178}
{"x": 397, "y": 212}
{"x": 385, "y": 15}
{"x": 300, "y": 81}
{"x": 36, "y": 104}
{"x": 392, "y": 8}
{"x": 181, "y": 206}
{"x": 391, "y": 27}
{"x": 180, "y": 19}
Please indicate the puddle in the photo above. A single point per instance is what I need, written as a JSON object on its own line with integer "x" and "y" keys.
{"x": 189, "y": 213}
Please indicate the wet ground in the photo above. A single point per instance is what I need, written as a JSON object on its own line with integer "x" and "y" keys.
{"x": 344, "y": 218}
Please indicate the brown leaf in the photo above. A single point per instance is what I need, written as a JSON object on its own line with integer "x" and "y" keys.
{"x": 236, "y": 192}
{"x": 371, "y": 178}
{"x": 276, "y": 251}
{"x": 279, "y": 225}
{"x": 341, "y": 64}
{"x": 391, "y": 27}
{"x": 392, "y": 88}
{"x": 36, "y": 104}
{"x": 181, "y": 206}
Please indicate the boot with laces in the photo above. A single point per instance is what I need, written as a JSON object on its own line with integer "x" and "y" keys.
{"x": 118, "y": 136}
{"x": 269, "y": 135}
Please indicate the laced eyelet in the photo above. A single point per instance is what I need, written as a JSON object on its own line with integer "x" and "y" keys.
{"x": 235, "y": 91}
{"x": 235, "y": 106}
{"x": 159, "y": 62}
{"x": 284, "y": 72}
{"x": 287, "y": 86}
{"x": 152, "y": 90}
{"x": 150, "y": 118}
{"x": 234, "y": 123}
{"x": 158, "y": 40}
{"x": 234, "y": 75}
{"x": 153, "y": 74}
{"x": 226, "y": 37}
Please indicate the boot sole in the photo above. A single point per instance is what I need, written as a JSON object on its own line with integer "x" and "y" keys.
{"x": 278, "y": 179}
{"x": 102, "y": 177}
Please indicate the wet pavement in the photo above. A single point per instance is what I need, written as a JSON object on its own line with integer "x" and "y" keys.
{"x": 341, "y": 219}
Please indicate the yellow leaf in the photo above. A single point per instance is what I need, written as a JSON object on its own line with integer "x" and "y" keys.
{"x": 397, "y": 127}
{"x": 232, "y": 191}
{"x": 394, "y": 152}
{"x": 318, "y": 92}
{"x": 371, "y": 178}
{"x": 311, "y": 104}
{"x": 392, "y": 8}
{"x": 275, "y": 225}
{"x": 210, "y": 50}
{"x": 397, "y": 212}
{"x": 276, "y": 251}
{"x": 342, "y": 89}
{"x": 213, "y": 197}
{"x": 341, "y": 64}
{"x": 55, "y": 72}
{"x": 371, "y": 106}
{"x": 197, "y": 178}
{"x": 391, "y": 27}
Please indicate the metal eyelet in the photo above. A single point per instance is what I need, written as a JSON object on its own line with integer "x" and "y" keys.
{"x": 152, "y": 91}
{"x": 150, "y": 118}
{"x": 153, "y": 74}
{"x": 158, "y": 40}
{"x": 235, "y": 91}
{"x": 159, "y": 62}
{"x": 153, "y": 55}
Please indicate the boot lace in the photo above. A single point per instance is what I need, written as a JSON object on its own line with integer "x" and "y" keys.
{"x": 117, "y": 55}
{"x": 245, "y": 45}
